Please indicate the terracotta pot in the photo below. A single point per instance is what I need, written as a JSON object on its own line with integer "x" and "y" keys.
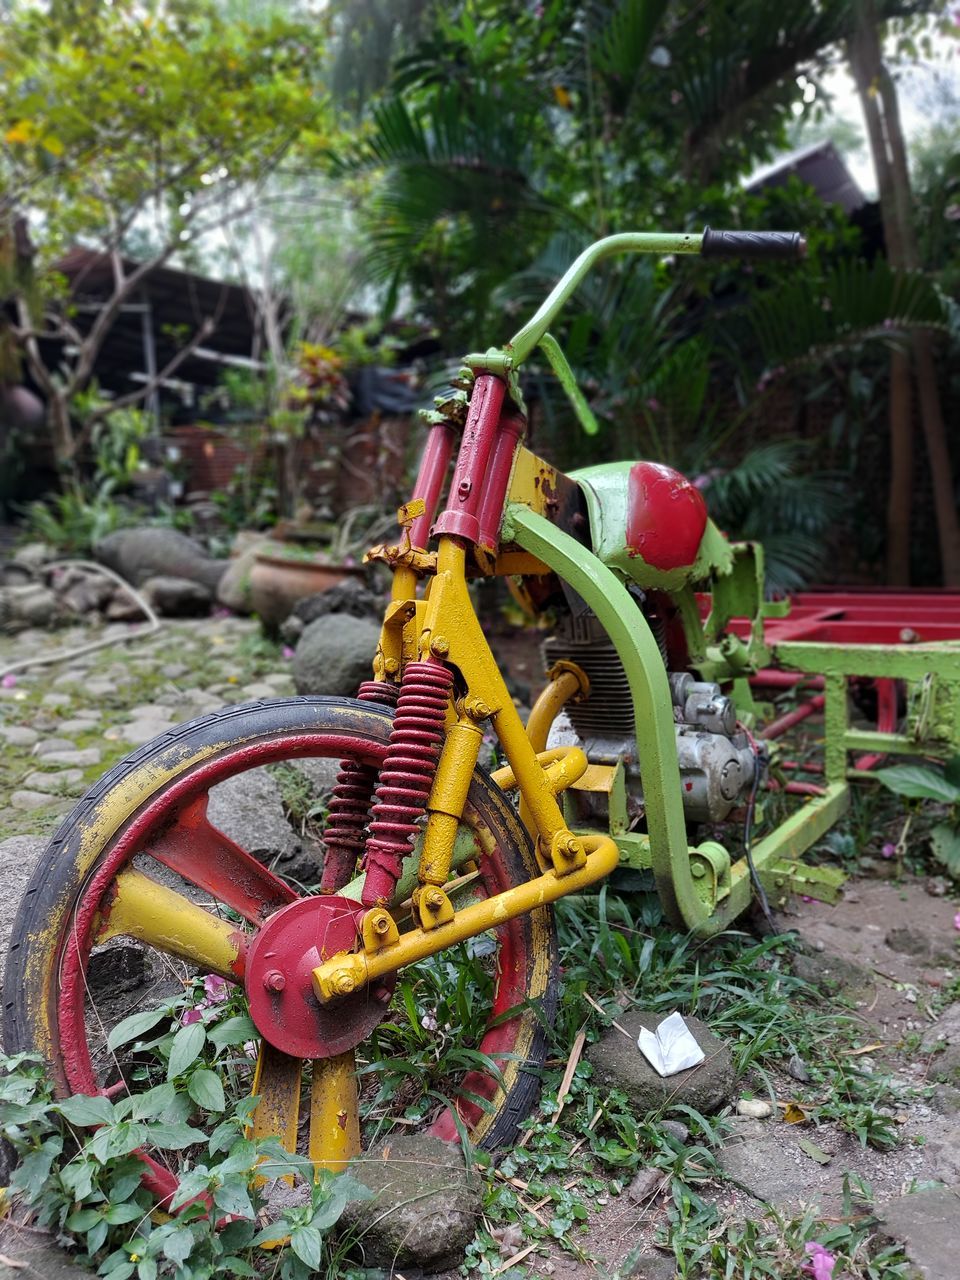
{"x": 278, "y": 582}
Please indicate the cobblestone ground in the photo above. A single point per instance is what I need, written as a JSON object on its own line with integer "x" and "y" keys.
{"x": 63, "y": 725}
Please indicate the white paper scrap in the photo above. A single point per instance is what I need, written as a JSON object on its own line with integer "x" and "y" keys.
{"x": 671, "y": 1048}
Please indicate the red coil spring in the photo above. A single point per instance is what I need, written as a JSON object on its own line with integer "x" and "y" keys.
{"x": 350, "y": 803}
{"x": 406, "y": 776}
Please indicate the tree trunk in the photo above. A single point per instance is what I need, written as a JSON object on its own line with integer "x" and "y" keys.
{"x": 61, "y": 436}
{"x": 938, "y": 453}
{"x": 881, "y": 110}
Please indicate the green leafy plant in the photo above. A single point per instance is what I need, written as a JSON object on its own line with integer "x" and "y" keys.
{"x": 942, "y": 786}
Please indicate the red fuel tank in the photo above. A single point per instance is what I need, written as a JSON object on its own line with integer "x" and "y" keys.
{"x": 666, "y": 516}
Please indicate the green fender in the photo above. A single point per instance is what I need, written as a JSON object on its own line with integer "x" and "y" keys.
{"x": 609, "y": 599}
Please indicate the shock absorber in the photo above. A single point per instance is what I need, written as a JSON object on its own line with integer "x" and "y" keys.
{"x": 406, "y": 776}
{"x": 350, "y": 803}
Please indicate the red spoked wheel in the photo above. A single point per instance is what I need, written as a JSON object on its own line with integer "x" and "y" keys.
{"x": 138, "y": 859}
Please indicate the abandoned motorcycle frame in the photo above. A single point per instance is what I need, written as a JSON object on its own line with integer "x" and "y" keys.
{"x": 662, "y": 645}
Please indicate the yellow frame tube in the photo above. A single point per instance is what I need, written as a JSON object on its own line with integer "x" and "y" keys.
{"x": 349, "y": 971}
{"x": 334, "y": 1115}
{"x": 448, "y": 795}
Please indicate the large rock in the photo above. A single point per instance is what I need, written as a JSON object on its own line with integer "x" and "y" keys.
{"x": 18, "y": 857}
{"x": 139, "y": 554}
{"x": 925, "y": 1223}
{"x": 619, "y": 1064}
{"x": 334, "y": 655}
{"x": 177, "y": 597}
{"x": 426, "y": 1207}
{"x": 765, "y": 1160}
{"x": 248, "y": 808}
{"x": 943, "y": 1041}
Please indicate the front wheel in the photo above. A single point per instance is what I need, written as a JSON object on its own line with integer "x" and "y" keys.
{"x": 139, "y": 859}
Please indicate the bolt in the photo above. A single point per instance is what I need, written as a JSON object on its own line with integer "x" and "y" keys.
{"x": 463, "y": 490}
{"x": 698, "y": 870}
{"x": 344, "y": 984}
{"x": 477, "y": 709}
{"x": 433, "y": 900}
{"x": 568, "y": 846}
{"x": 440, "y": 645}
{"x": 274, "y": 980}
{"x": 381, "y": 924}
{"x": 391, "y": 666}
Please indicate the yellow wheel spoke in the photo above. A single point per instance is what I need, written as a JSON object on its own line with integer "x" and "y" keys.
{"x": 334, "y": 1114}
{"x": 165, "y": 919}
{"x": 277, "y": 1085}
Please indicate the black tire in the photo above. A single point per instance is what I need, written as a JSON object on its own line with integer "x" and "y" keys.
{"x": 221, "y": 745}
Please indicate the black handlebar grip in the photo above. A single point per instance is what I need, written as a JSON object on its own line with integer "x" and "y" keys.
{"x": 752, "y": 244}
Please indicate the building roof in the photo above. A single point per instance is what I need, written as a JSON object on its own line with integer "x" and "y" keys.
{"x": 820, "y": 166}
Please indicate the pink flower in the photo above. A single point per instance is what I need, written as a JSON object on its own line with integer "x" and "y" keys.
{"x": 217, "y": 989}
{"x": 888, "y": 850}
{"x": 8, "y": 681}
{"x": 956, "y": 920}
{"x": 287, "y": 652}
{"x": 191, "y": 1015}
{"x": 821, "y": 1262}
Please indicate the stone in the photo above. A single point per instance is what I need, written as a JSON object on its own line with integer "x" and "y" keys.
{"x": 259, "y": 689}
{"x": 52, "y": 699}
{"x": 348, "y": 597}
{"x": 177, "y": 597}
{"x": 81, "y": 759}
{"x": 140, "y": 554}
{"x": 943, "y": 1042}
{"x": 31, "y": 605}
{"x": 920, "y": 945}
{"x": 321, "y": 772}
{"x": 32, "y": 556}
{"x": 425, "y": 1210}
{"x": 278, "y": 679}
{"x": 644, "y": 1184}
{"x": 768, "y": 1164}
{"x": 945, "y": 1100}
{"x": 18, "y": 735}
{"x": 80, "y": 724}
{"x": 675, "y": 1129}
{"x": 26, "y": 1257}
{"x": 28, "y": 800}
{"x": 138, "y": 732}
{"x": 172, "y": 670}
{"x": 755, "y": 1108}
{"x": 334, "y": 655}
{"x": 834, "y": 975}
{"x": 652, "y": 1266}
{"x": 82, "y": 592}
{"x": 53, "y": 781}
{"x": 619, "y": 1064}
{"x": 18, "y": 857}
{"x": 123, "y": 608}
{"x": 925, "y": 1224}
{"x": 100, "y": 686}
{"x": 52, "y": 744}
{"x": 248, "y": 808}
{"x": 116, "y": 969}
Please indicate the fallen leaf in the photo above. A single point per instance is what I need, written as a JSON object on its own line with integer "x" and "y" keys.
{"x": 814, "y": 1152}
{"x": 864, "y": 1048}
{"x": 793, "y": 1113}
{"x": 15, "y": 1263}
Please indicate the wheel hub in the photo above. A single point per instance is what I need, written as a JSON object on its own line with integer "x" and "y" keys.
{"x": 279, "y": 972}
